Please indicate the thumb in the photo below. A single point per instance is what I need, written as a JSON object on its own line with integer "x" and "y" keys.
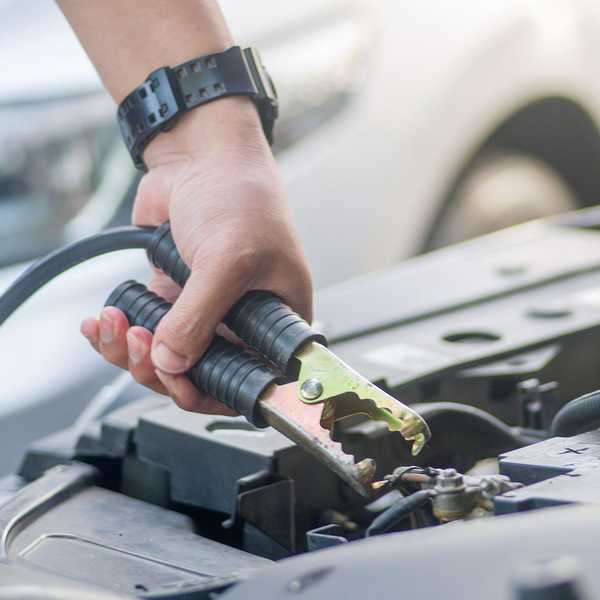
{"x": 188, "y": 328}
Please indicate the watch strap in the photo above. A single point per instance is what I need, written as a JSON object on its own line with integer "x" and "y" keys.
{"x": 169, "y": 92}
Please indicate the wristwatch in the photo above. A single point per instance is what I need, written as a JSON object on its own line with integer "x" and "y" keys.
{"x": 169, "y": 92}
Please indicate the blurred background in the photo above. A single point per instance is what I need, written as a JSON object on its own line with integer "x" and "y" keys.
{"x": 404, "y": 127}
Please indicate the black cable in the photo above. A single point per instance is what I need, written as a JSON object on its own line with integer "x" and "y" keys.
{"x": 476, "y": 426}
{"x": 578, "y": 416}
{"x": 402, "y": 508}
{"x": 47, "y": 268}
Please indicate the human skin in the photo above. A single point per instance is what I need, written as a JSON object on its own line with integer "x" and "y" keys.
{"x": 213, "y": 176}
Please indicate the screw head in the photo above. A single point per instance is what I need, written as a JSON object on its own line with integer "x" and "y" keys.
{"x": 449, "y": 473}
{"x": 449, "y": 480}
{"x": 311, "y": 389}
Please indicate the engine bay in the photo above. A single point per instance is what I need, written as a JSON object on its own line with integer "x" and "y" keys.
{"x": 487, "y": 341}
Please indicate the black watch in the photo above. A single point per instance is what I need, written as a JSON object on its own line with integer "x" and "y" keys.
{"x": 169, "y": 92}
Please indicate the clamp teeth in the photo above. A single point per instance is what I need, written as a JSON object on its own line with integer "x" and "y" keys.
{"x": 327, "y": 380}
{"x": 303, "y": 424}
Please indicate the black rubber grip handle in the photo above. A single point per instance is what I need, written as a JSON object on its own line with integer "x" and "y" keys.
{"x": 225, "y": 372}
{"x": 259, "y": 318}
{"x": 271, "y": 327}
{"x": 163, "y": 253}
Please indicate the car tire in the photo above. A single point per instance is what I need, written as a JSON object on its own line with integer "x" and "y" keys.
{"x": 499, "y": 190}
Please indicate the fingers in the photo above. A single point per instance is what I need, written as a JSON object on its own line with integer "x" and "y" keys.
{"x": 130, "y": 347}
{"x": 187, "y": 397}
{"x": 186, "y": 330}
{"x": 112, "y": 342}
{"x": 125, "y": 347}
{"x": 90, "y": 329}
{"x": 139, "y": 342}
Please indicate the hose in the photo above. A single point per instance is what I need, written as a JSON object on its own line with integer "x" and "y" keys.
{"x": 578, "y": 416}
{"x": 472, "y": 422}
{"x": 398, "y": 511}
{"x": 59, "y": 261}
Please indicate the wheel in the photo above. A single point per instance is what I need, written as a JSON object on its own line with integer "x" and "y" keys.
{"x": 500, "y": 190}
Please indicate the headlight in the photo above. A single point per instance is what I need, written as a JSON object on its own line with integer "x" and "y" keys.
{"x": 53, "y": 157}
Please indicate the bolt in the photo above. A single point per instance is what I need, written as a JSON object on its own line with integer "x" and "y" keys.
{"x": 365, "y": 470}
{"x": 449, "y": 480}
{"x": 311, "y": 389}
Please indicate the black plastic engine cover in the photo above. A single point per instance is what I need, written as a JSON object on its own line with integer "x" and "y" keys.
{"x": 64, "y": 525}
{"x": 481, "y": 559}
{"x": 555, "y": 471}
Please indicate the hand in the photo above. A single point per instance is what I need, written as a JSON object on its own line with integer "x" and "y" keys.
{"x": 213, "y": 176}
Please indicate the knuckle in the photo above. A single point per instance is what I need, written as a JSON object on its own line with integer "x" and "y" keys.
{"x": 234, "y": 259}
{"x": 245, "y": 260}
{"x": 180, "y": 332}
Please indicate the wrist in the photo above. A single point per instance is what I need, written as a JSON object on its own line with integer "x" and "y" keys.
{"x": 227, "y": 123}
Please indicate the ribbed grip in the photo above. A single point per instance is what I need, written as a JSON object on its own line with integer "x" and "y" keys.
{"x": 163, "y": 253}
{"x": 141, "y": 306}
{"x": 225, "y": 372}
{"x": 271, "y": 327}
{"x": 259, "y": 318}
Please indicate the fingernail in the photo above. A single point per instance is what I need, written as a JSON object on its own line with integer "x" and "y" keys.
{"x": 87, "y": 327}
{"x": 168, "y": 361}
{"x": 106, "y": 328}
{"x": 136, "y": 348}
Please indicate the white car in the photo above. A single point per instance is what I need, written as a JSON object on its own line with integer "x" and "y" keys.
{"x": 404, "y": 127}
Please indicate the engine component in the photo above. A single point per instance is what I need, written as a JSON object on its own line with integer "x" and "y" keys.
{"x": 449, "y": 494}
{"x": 556, "y": 471}
{"x": 268, "y": 491}
{"x": 64, "y": 524}
{"x": 486, "y": 559}
{"x": 538, "y": 403}
{"x": 554, "y": 579}
{"x": 488, "y": 331}
{"x": 402, "y": 508}
{"x": 578, "y": 416}
{"x": 454, "y": 495}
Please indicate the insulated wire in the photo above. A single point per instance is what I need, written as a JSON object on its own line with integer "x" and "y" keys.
{"x": 48, "y": 267}
{"x": 399, "y": 510}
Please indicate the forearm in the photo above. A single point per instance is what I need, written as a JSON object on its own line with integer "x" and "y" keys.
{"x": 212, "y": 176}
{"x": 127, "y": 39}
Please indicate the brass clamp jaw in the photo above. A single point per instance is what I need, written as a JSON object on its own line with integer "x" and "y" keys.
{"x": 328, "y": 390}
{"x": 325, "y": 378}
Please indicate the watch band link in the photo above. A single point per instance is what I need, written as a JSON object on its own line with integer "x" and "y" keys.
{"x": 169, "y": 92}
